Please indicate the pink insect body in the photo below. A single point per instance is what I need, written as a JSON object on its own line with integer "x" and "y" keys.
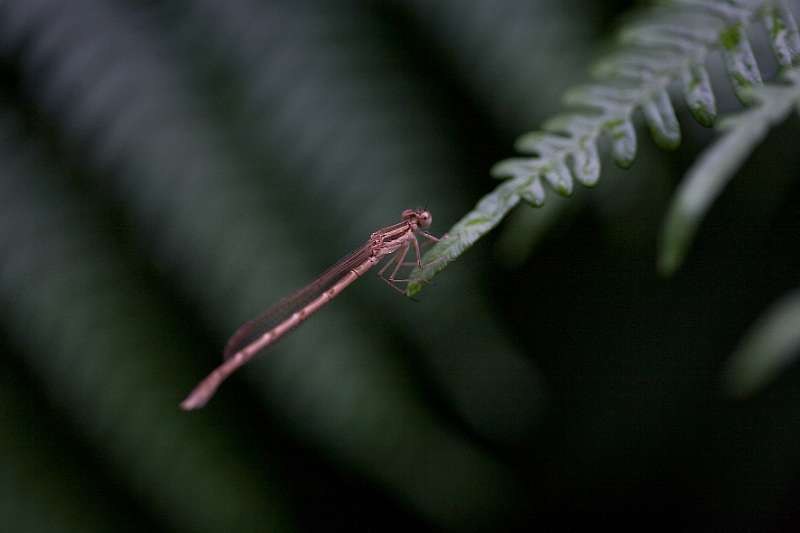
{"x": 277, "y": 321}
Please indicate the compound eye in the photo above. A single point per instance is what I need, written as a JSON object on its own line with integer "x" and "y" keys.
{"x": 425, "y": 218}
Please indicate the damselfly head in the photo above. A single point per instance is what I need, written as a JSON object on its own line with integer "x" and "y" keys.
{"x": 422, "y": 216}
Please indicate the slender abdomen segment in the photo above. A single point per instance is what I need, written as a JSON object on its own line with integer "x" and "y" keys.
{"x": 206, "y": 388}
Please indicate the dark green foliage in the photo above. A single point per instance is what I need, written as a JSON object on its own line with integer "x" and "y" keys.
{"x": 706, "y": 179}
{"x": 170, "y": 169}
{"x": 660, "y": 47}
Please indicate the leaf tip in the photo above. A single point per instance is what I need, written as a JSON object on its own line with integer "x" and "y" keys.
{"x": 413, "y": 288}
{"x": 676, "y": 235}
{"x": 669, "y": 261}
{"x": 704, "y": 116}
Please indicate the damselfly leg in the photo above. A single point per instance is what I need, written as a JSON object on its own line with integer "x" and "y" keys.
{"x": 399, "y": 261}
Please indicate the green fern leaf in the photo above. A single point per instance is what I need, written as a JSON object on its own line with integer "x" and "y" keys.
{"x": 783, "y": 32}
{"x": 740, "y": 62}
{"x": 715, "y": 168}
{"x": 664, "y": 45}
{"x": 485, "y": 216}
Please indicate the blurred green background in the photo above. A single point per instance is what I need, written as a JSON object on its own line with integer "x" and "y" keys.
{"x": 168, "y": 170}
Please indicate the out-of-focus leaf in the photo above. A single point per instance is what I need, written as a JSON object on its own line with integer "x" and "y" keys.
{"x": 44, "y": 483}
{"x": 659, "y": 47}
{"x": 216, "y": 230}
{"x": 488, "y": 41}
{"x": 770, "y": 346}
{"x": 312, "y": 92}
{"x": 98, "y": 343}
{"x": 503, "y": 50}
{"x": 707, "y": 178}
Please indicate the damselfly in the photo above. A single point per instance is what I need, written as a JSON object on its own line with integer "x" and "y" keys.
{"x": 290, "y": 312}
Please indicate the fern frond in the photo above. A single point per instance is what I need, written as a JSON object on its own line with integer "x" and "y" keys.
{"x": 134, "y": 119}
{"x": 664, "y": 45}
{"x": 102, "y": 369}
{"x": 772, "y": 344}
{"x": 706, "y": 179}
{"x": 66, "y": 494}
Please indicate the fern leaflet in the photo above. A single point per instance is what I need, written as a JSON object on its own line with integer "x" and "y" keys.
{"x": 664, "y": 45}
{"x": 715, "y": 168}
